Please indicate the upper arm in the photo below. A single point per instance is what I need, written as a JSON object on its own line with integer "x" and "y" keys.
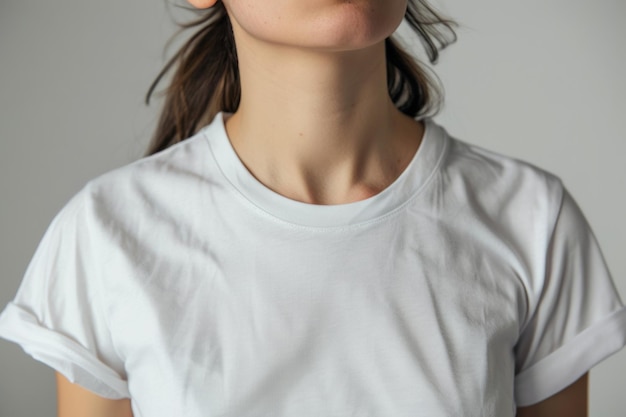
{"x": 76, "y": 401}
{"x": 570, "y": 402}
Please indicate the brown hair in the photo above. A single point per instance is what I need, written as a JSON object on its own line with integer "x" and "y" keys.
{"x": 206, "y": 80}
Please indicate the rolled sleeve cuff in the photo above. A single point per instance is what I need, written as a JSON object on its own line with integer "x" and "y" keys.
{"x": 61, "y": 353}
{"x": 568, "y": 363}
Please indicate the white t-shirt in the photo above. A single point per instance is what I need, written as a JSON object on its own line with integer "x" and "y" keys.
{"x": 471, "y": 284}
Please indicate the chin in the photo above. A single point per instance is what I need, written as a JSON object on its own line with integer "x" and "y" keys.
{"x": 353, "y": 28}
{"x": 337, "y": 25}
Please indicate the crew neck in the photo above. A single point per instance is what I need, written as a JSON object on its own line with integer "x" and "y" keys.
{"x": 409, "y": 183}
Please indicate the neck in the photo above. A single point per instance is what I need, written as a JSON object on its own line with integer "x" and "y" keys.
{"x": 319, "y": 126}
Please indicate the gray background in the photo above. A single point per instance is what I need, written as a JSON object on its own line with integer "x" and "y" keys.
{"x": 541, "y": 81}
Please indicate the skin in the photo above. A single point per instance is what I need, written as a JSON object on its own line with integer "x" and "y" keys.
{"x": 75, "y": 401}
{"x": 316, "y": 124}
{"x": 571, "y": 402}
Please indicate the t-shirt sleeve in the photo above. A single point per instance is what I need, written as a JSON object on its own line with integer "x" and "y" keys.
{"x": 576, "y": 317}
{"x": 58, "y": 314}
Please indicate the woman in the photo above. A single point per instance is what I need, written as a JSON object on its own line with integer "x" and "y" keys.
{"x": 303, "y": 240}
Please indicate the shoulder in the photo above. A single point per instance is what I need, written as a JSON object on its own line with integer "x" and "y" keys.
{"x": 485, "y": 167}
{"x": 503, "y": 204}
{"x": 500, "y": 184}
{"x": 166, "y": 175}
{"x": 137, "y": 195}
{"x": 171, "y": 167}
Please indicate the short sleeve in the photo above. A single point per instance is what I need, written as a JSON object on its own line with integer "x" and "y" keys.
{"x": 577, "y": 318}
{"x": 57, "y": 315}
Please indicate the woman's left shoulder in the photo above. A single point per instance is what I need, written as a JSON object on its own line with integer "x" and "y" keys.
{"x": 499, "y": 180}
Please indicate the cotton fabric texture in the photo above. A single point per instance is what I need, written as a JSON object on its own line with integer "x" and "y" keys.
{"x": 470, "y": 285}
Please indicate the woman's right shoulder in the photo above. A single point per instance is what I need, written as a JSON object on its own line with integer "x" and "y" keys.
{"x": 188, "y": 160}
{"x": 150, "y": 187}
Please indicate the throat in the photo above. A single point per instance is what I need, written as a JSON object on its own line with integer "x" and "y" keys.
{"x": 329, "y": 182}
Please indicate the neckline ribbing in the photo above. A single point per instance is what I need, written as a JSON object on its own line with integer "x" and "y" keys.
{"x": 414, "y": 177}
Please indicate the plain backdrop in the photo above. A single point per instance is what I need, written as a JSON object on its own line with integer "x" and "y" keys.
{"x": 542, "y": 81}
